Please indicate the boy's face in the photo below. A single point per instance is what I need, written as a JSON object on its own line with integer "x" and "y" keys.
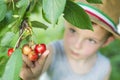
{"x": 81, "y": 44}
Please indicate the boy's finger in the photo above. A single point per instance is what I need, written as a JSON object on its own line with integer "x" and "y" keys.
{"x": 40, "y": 63}
{"x": 27, "y": 61}
{"x": 43, "y": 57}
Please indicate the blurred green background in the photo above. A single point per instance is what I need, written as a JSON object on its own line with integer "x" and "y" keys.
{"x": 112, "y": 51}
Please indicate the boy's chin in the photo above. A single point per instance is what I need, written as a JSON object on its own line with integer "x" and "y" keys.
{"x": 77, "y": 56}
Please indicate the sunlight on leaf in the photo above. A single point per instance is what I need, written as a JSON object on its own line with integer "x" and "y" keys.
{"x": 7, "y": 39}
{"x": 52, "y": 9}
{"x": 22, "y": 3}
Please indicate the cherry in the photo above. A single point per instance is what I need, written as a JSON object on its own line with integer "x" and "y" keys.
{"x": 10, "y": 51}
{"x": 40, "y": 48}
{"x": 32, "y": 56}
{"x": 26, "y": 49}
{"x": 33, "y": 51}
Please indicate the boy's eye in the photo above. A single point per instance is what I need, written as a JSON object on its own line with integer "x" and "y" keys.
{"x": 72, "y": 30}
{"x": 92, "y": 41}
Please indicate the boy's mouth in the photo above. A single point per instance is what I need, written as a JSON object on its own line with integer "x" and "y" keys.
{"x": 75, "y": 53}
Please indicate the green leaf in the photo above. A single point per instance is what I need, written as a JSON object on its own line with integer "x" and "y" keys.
{"x": 74, "y": 14}
{"x": 3, "y": 9}
{"x": 22, "y": 3}
{"x": 7, "y": 39}
{"x": 13, "y": 66}
{"x": 52, "y": 9}
{"x": 3, "y": 61}
{"x": 23, "y": 6}
{"x": 94, "y": 1}
{"x": 38, "y": 25}
{"x": 14, "y": 40}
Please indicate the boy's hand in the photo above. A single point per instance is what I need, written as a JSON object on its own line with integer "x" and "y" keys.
{"x": 30, "y": 70}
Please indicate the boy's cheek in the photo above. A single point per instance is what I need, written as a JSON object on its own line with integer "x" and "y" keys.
{"x": 90, "y": 50}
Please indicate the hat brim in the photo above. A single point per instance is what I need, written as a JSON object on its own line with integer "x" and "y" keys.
{"x": 103, "y": 25}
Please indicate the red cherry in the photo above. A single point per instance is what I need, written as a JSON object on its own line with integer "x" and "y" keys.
{"x": 40, "y": 48}
{"x": 32, "y": 56}
{"x": 10, "y": 51}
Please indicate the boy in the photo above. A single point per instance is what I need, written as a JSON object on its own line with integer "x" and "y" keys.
{"x": 77, "y": 56}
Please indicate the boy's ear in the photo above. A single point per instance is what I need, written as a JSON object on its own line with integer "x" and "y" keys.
{"x": 109, "y": 40}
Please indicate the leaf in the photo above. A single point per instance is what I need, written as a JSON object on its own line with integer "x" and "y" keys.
{"x": 94, "y": 1}
{"x": 23, "y": 6}
{"x": 7, "y": 39}
{"x": 52, "y": 9}
{"x": 13, "y": 66}
{"x": 38, "y": 24}
{"x": 3, "y": 61}
{"x": 35, "y": 6}
{"x": 74, "y": 14}
{"x": 22, "y": 3}
{"x": 3, "y": 9}
{"x": 14, "y": 40}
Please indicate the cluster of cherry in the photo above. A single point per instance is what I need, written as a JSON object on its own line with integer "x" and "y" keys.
{"x": 33, "y": 52}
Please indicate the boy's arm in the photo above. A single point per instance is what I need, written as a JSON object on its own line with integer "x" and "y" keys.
{"x": 32, "y": 71}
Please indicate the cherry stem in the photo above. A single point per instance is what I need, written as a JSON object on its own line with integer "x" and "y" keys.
{"x": 19, "y": 40}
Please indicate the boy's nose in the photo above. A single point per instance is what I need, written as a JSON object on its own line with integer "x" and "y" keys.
{"x": 78, "y": 43}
